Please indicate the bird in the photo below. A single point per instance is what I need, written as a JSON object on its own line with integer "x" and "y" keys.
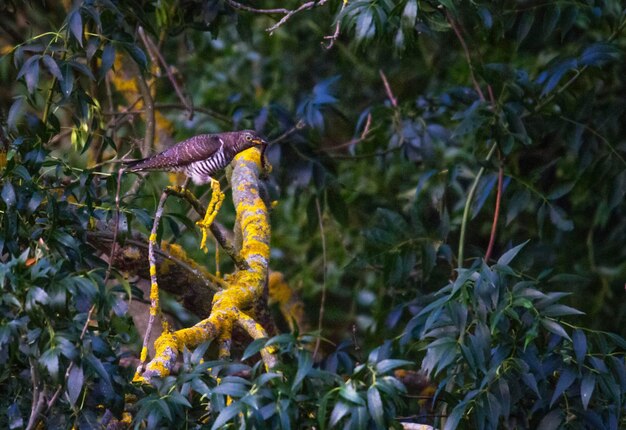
{"x": 199, "y": 158}
{"x": 202, "y": 156}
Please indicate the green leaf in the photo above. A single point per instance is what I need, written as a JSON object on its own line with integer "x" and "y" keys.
{"x": 52, "y": 67}
{"x": 137, "y": 55}
{"x": 15, "y": 113}
{"x": 580, "y": 345}
{"x": 340, "y": 410}
{"x": 8, "y": 194}
{"x": 409, "y": 14}
{"x": 226, "y": 415}
{"x": 388, "y": 365}
{"x": 561, "y": 190}
{"x": 178, "y": 399}
{"x": 558, "y": 310}
{"x": 554, "y": 327}
{"x": 231, "y": 389}
{"x": 525, "y": 23}
{"x": 453, "y": 420}
{"x": 108, "y": 57}
{"x": 75, "y": 381}
{"x": 587, "y": 385}
{"x": 67, "y": 84}
{"x": 566, "y": 379}
{"x": 50, "y": 360}
{"x": 75, "y": 23}
{"x": 31, "y": 76}
{"x": 551, "y": 421}
{"x": 508, "y": 256}
{"x": 305, "y": 364}
{"x": 365, "y": 28}
{"x": 375, "y": 406}
{"x": 253, "y": 348}
{"x": 349, "y": 393}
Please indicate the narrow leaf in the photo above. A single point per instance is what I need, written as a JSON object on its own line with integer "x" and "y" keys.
{"x": 580, "y": 345}
{"x": 15, "y": 112}
{"x": 510, "y": 254}
{"x": 31, "y": 76}
{"x": 587, "y": 385}
{"x": 8, "y": 194}
{"x": 67, "y": 84}
{"x": 375, "y": 406}
{"x": 52, "y": 67}
{"x": 551, "y": 421}
{"x": 554, "y": 327}
{"x": 565, "y": 380}
{"x": 76, "y": 26}
{"x": 75, "y": 383}
{"x": 226, "y": 415}
{"x": 108, "y": 57}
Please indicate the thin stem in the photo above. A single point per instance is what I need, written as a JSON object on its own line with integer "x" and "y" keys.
{"x": 496, "y": 215}
{"x": 323, "y": 299}
{"x": 466, "y": 51}
{"x": 468, "y": 204}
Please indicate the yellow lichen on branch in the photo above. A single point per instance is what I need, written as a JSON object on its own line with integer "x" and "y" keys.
{"x": 243, "y": 287}
{"x": 290, "y": 304}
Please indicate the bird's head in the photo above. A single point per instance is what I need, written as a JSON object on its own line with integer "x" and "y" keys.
{"x": 251, "y": 138}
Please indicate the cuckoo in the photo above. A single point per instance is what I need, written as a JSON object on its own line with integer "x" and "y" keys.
{"x": 200, "y": 157}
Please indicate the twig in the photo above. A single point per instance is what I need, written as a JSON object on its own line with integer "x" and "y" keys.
{"x": 361, "y": 138}
{"x": 148, "y": 102}
{"x": 299, "y": 126}
{"x": 333, "y": 38}
{"x": 154, "y": 286}
{"x": 218, "y": 230}
{"x": 289, "y": 14}
{"x": 468, "y": 204}
{"x": 247, "y": 8}
{"x": 468, "y": 58}
{"x": 154, "y": 50}
{"x": 392, "y": 98}
{"x": 38, "y": 396}
{"x": 320, "y": 322}
{"x": 224, "y": 118}
{"x": 496, "y": 215}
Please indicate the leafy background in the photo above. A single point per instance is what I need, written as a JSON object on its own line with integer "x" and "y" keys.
{"x": 415, "y": 104}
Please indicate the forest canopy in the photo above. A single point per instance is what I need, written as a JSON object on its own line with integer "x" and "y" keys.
{"x": 431, "y": 233}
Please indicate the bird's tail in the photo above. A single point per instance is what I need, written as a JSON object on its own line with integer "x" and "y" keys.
{"x": 134, "y": 165}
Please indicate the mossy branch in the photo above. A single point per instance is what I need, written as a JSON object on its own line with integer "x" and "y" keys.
{"x": 243, "y": 288}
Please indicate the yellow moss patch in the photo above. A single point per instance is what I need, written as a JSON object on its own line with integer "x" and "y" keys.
{"x": 279, "y": 291}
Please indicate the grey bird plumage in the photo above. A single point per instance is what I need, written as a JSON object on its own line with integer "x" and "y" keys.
{"x": 200, "y": 157}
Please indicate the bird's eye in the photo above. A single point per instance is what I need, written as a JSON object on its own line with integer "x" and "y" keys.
{"x": 248, "y": 137}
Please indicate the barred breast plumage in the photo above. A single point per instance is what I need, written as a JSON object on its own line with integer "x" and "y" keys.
{"x": 200, "y": 157}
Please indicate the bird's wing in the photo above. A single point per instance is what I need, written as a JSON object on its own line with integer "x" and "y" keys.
{"x": 180, "y": 155}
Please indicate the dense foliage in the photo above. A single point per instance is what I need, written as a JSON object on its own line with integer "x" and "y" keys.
{"x": 438, "y": 137}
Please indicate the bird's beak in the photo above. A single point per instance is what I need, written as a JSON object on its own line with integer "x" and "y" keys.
{"x": 259, "y": 141}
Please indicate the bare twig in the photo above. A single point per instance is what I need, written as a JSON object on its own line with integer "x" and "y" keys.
{"x": 237, "y": 5}
{"x": 154, "y": 286}
{"x": 496, "y": 215}
{"x": 361, "y": 138}
{"x": 392, "y": 98}
{"x": 468, "y": 57}
{"x": 288, "y": 15}
{"x": 148, "y": 141}
{"x": 323, "y": 298}
{"x": 38, "y": 396}
{"x": 333, "y": 38}
{"x": 299, "y": 126}
{"x": 220, "y": 116}
{"x": 154, "y": 51}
